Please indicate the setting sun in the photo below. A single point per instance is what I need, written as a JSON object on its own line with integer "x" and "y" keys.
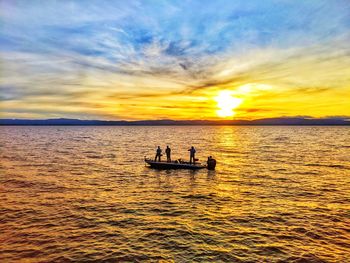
{"x": 226, "y": 104}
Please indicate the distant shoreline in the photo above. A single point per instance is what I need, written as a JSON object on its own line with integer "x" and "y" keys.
{"x": 259, "y": 122}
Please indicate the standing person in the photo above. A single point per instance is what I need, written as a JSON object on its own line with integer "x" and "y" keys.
{"x": 192, "y": 155}
{"x": 168, "y": 153}
{"x": 158, "y": 154}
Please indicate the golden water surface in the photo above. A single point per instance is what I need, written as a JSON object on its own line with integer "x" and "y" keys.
{"x": 279, "y": 194}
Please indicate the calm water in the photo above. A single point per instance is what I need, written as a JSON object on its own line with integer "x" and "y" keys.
{"x": 279, "y": 194}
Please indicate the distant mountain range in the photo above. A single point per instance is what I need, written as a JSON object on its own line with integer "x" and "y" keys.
{"x": 270, "y": 121}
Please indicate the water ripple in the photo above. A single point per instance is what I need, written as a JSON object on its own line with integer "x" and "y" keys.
{"x": 279, "y": 194}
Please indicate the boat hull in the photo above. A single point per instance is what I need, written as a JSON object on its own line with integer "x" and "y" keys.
{"x": 172, "y": 165}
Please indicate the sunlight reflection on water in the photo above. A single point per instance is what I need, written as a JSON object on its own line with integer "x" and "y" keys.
{"x": 84, "y": 193}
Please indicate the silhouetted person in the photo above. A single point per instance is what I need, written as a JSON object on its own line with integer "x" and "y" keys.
{"x": 158, "y": 154}
{"x": 192, "y": 155}
{"x": 168, "y": 153}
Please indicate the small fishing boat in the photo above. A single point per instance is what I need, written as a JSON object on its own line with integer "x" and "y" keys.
{"x": 174, "y": 165}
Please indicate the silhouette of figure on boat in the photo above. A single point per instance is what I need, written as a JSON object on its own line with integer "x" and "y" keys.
{"x": 192, "y": 151}
{"x": 158, "y": 154}
{"x": 168, "y": 154}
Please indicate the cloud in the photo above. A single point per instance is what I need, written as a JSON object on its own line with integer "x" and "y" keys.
{"x": 106, "y": 53}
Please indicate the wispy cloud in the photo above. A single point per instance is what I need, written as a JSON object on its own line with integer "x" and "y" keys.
{"x": 138, "y": 59}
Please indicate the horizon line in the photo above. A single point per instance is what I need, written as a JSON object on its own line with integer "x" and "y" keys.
{"x": 278, "y": 121}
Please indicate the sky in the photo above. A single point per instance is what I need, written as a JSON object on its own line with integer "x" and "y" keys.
{"x": 138, "y": 60}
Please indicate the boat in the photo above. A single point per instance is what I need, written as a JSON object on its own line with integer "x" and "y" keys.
{"x": 174, "y": 165}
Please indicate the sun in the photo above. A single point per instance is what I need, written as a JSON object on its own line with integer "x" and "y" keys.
{"x": 226, "y": 104}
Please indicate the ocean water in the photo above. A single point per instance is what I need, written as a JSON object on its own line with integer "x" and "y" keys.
{"x": 279, "y": 194}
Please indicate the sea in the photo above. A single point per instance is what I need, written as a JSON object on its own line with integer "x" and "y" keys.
{"x": 84, "y": 194}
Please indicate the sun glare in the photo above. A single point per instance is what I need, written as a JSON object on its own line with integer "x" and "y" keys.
{"x": 226, "y": 104}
